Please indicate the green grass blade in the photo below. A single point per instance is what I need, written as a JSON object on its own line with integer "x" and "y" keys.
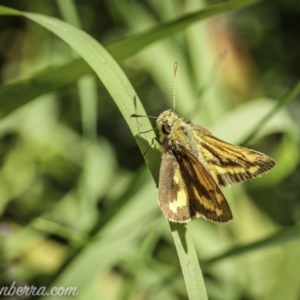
{"x": 14, "y": 95}
{"x": 278, "y": 238}
{"x": 136, "y": 42}
{"x": 19, "y": 93}
{"x": 189, "y": 262}
{"x": 108, "y": 72}
{"x": 96, "y": 57}
{"x": 124, "y": 96}
{"x": 282, "y": 102}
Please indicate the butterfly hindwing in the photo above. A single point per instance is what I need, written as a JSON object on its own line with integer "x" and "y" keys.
{"x": 187, "y": 190}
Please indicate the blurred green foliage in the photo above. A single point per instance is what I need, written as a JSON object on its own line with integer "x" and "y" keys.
{"x": 78, "y": 205}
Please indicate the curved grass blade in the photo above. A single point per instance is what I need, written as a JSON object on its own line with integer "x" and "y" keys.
{"x": 278, "y": 238}
{"x": 289, "y": 96}
{"x": 123, "y": 94}
{"x": 130, "y": 45}
{"x": 14, "y": 95}
{"x": 57, "y": 77}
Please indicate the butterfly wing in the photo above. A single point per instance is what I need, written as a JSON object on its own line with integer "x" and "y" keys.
{"x": 187, "y": 190}
{"x": 230, "y": 163}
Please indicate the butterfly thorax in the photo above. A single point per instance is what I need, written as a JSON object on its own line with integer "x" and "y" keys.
{"x": 173, "y": 131}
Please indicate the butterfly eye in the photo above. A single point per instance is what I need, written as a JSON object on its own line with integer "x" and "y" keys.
{"x": 166, "y": 129}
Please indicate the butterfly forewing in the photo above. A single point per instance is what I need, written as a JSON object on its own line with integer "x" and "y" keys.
{"x": 230, "y": 163}
{"x": 187, "y": 190}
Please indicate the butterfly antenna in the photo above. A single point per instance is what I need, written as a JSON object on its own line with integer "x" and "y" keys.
{"x": 174, "y": 85}
{"x": 142, "y": 116}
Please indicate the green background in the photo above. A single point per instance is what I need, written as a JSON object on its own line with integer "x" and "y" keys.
{"x": 78, "y": 203}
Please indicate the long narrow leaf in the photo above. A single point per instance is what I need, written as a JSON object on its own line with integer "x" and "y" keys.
{"x": 136, "y": 42}
{"x": 281, "y": 103}
{"x": 188, "y": 260}
{"x": 57, "y": 77}
{"x": 124, "y": 96}
{"x": 278, "y": 238}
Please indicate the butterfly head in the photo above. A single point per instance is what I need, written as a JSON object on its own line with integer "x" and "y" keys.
{"x": 165, "y": 124}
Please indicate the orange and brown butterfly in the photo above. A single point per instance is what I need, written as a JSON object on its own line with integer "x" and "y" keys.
{"x": 194, "y": 164}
